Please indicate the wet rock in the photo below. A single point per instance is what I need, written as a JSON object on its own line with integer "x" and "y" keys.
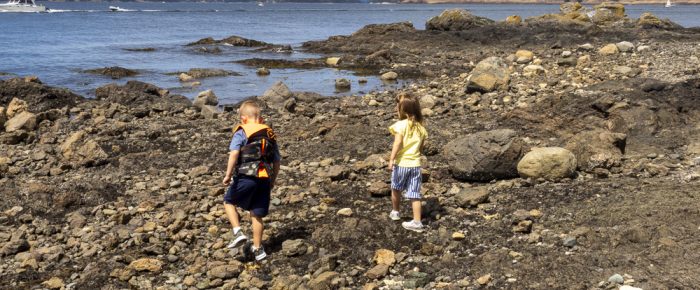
{"x": 343, "y": 84}
{"x": 625, "y": 46}
{"x": 472, "y": 196}
{"x": 323, "y": 281}
{"x": 377, "y": 271}
{"x": 138, "y": 94}
{"x": 184, "y": 77}
{"x": 384, "y": 257}
{"x": 200, "y": 73}
{"x": 23, "y": 121}
{"x": 390, "y": 76}
{"x": 552, "y": 163}
{"x": 205, "y": 98}
{"x": 231, "y": 270}
{"x": 277, "y": 94}
{"x": 381, "y": 29}
{"x": 608, "y": 49}
{"x": 231, "y": 40}
{"x": 146, "y": 264}
{"x": 484, "y": 156}
{"x": 333, "y": 61}
{"x": 114, "y": 72}
{"x": 489, "y": 74}
{"x": 597, "y": 149}
{"x": 456, "y": 20}
{"x": 38, "y": 97}
{"x": 263, "y": 71}
{"x": 291, "y": 248}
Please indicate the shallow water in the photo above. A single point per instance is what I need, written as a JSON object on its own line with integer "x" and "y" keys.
{"x": 76, "y": 36}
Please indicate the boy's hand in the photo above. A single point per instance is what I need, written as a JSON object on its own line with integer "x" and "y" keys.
{"x": 227, "y": 180}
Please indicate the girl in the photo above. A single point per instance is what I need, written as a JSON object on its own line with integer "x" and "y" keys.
{"x": 404, "y": 162}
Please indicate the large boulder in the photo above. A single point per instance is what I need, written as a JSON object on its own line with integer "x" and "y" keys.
{"x": 114, "y": 72}
{"x": 648, "y": 20}
{"x": 597, "y": 149}
{"x": 15, "y": 107}
{"x": 38, "y": 96}
{"x": 23, "y": 121}
{"x": 456, "y": 20}
{"x": 489, "y": 74}
{"x": 484, "y": 156}
{"x": 206, "y": 98}
{"x": 607, "y": 13}
{"x": 380, "y": 29}
{"x": 276, "y": 95}
{"x": 550, "y": 163}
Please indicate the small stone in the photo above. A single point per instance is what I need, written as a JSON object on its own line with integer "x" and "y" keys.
{"x": 458, "y": 236}
{"x": 146, "y": 264}
{"x": 535, "y": 213}
{"x": 362, "y": 80}
{"x": 343, "y": 84}
{"x": 483, "y": 280}
{"x": 609, "y": 49}
{"x": 625, "y": 46}
{"x": 566, "y": 53}
{"x": 373, "y": 103}
{"x": 643, "y": 48}
{"x": 185, "y": 77}
{"x": 617, "y": 279}
{"x": 345, "y": 212}
{"x": 586, "y": 47}
{"x": 384, "y": 257}
{"x": 390, "y": 76}
{"x": 377, "y": 272}
{"x": 472, "y": 196}
{"x": 628, "y": 287}
{"x": 291, "y": 248}
{"x": 226, "y": 271}
{"x": 569, "y": 242}
{"x": 53, "y": 283}
{"x": 524, "y": 56}
{"x": 22, "y": 121}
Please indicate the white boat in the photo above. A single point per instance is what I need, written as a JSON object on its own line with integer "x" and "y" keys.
{"x": 118, "y": 9}
{"x": 261, "y": 4}
{"x": 21, "y": 6}
{"x": 669, "y": 4}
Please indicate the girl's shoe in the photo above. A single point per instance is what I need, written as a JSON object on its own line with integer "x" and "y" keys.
{"x": 394, "y": 215}
{"x": 237, "y": 239}
{"x": 413, "y": 226}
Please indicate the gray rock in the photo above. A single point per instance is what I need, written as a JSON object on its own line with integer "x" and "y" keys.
{"x": 569, "y": 242}
{"x": 551, "y": 163}
{"x": 14, "y": 246}
{"x": 484, "y": 156}
{"x": 206, "y": 98}
{"x": 597, "y": 149}
{"x": 456, "y": 20}
{"x": 617, "y": 279}
{"x": 343, "y": 84}
{"x": 471, "y": 197}
{"x": 23, "y": 121}
{"x": 277, "y": 94}
{"x": 291, "y": 248}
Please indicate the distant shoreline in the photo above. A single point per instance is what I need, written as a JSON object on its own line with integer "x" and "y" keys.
{"x": 548, "y": 2}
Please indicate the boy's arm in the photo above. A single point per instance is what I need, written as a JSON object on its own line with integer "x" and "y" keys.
{"x": 398, "y": 142}
{"x": 232, "y": 159}
{"x": 275, "y": 171}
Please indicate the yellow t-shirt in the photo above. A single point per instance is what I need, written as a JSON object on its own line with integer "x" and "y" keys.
{"x": 413, "y": 135}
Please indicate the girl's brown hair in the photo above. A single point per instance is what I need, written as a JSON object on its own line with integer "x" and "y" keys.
{"x": 409, "y": 108}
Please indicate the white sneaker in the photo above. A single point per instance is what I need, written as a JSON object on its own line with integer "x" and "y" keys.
{"x": 237, "y": 238}
{"x": 394, "y": 215}
{"x": 413, "y": 226}
{"x": 259, "y": 253}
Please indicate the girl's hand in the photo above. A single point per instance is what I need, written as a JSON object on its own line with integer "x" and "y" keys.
{"x": 391, "y": 165}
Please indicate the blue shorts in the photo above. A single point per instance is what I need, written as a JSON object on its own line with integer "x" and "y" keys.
{"x": 249, "y": 193}
{"x": 407, "y": 179}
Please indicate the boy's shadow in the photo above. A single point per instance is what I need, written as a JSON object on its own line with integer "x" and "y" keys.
{"x": 272, "y": 245}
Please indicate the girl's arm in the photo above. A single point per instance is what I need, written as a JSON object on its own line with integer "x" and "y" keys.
{"x": 398, "y": 142}
{"x": 232, "y": 159}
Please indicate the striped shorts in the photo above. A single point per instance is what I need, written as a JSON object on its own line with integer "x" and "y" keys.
{"x": 407, "y": 179}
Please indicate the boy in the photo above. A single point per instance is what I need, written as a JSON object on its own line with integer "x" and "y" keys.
{"x": 253, "y": 165}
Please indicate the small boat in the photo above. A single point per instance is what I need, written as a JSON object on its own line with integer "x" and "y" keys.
{"x": 669, "y": 4}
{"x": 21, "y": 6}
{"x": 261, "y": 4}
{"x": 117, "y": 9}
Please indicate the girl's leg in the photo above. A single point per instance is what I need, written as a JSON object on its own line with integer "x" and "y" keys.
{"x": 395, "y": 199}
{"x": 257, "y": 230}
{"x": 416, "y": 204}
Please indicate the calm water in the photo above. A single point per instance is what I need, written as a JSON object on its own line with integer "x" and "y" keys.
{"x": 77, "y": 36}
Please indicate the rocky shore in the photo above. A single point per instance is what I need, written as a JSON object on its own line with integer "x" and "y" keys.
{"x": 564, "y": 153}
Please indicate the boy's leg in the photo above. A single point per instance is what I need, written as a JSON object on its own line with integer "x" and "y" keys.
{"x": 232, "y": 215}
{"x": 416, "y": 204}
{"x": 257, "y": 230}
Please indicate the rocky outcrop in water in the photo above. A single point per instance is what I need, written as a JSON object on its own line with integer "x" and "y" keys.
{"x": 114, "y": 72}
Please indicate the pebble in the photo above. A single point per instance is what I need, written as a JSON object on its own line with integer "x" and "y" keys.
{"x": 617, "y": 279}
{"x": 483, "y": 280}
{"x": 458, "y": 236}
{"x": 569, "y": 242}
{"x": 345, "y": 212}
